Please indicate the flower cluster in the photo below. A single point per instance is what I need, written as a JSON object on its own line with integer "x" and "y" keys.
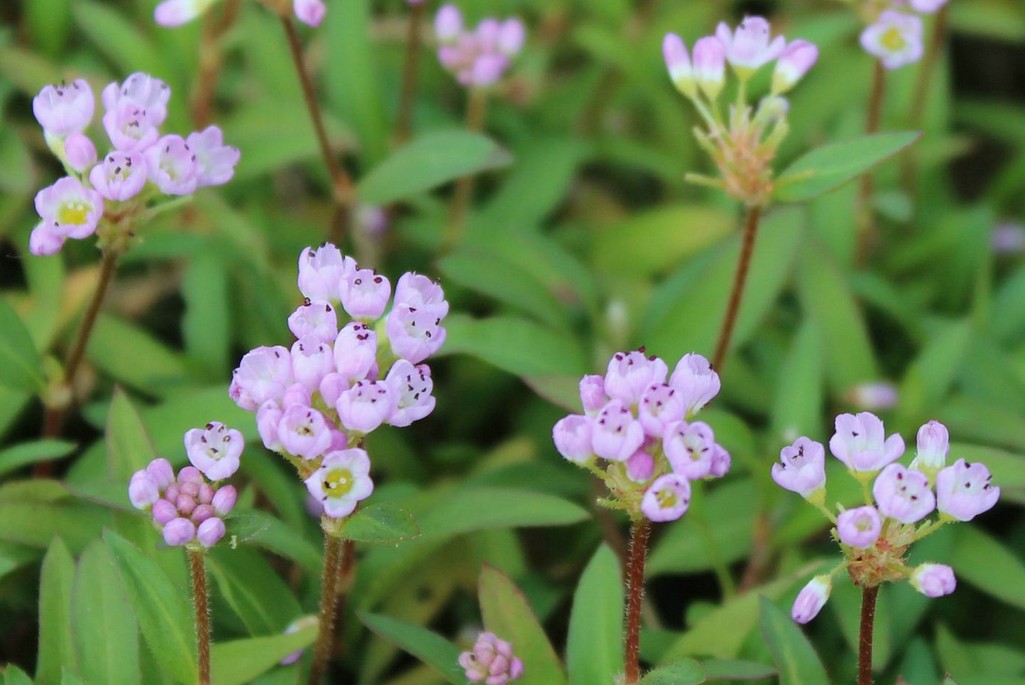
{"x": 491, "y": 661}
{"x": 171, "y": 13}
{"x": 479, "y": 57}
{"x": 188, "y": 509}
{"x": 641, "y": 425}
{"x": 743, "y": 143}
{"x": 315, "y": 402}
{"x": 875, "y": 537}
{"x": 142, "y": 162}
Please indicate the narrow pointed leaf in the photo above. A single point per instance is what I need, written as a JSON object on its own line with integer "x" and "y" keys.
{"x": 19, "y": 360}
{"x": 56, "y": 648}
{"x": 795, "y": 658}
{"x": 242, "y": 661}
{"x": 380, "y": 523}
{"x": 105, "y": 631}
{"x": 425, "y": 645}
{"x": 594, "y": 651}
{"x": 685, "y": 672}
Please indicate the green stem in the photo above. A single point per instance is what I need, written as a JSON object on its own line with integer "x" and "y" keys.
{"x": 866, "y": 222}
{"x": 476, "y": 109}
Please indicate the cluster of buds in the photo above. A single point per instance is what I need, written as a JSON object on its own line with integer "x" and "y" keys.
{"x": 894, "y": 36}
{"x": 171, "y": 13}
{"x": 479, "y": 57}
{"x": 642, "y": 427}
{"x": 744, "y": 141}
{"x": 875, "y": 538}
{"x": 315, "y": 402}
{"x": 142, "y": 164}
{"x": 189, "y": 509}
{"x": 491, "y": 661}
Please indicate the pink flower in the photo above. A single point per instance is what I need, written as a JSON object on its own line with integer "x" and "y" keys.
{"x": 572, "y": 437}
{"x": 322, "y": 271}
{"x": 309, "y": 12}
{"x": 64, "y": 108}
{"x": 491, "y": 661}
{"x": 172, "y": 13}
{"x": 263, "y": 374}
{"x": 414, "y": 334}
{"x": 811, "y": 599}
{"x": 927, "y": 6}
{"x": 355, "y": 351}
{"x": 68, "y": 209}
{"x": 312, "y": 361}
{"x": 615, "y": 433}
{"x": 342, "y": 481}
{"x": 801, "y": 467}
{"x": 640, "y": 467}
{"x": 696, "y": 382}
{"x": 172, "y": 166}
{"x": 933, "y": 580}
{"x": 411, "y": 386}
{"x": 592, "y": 394}
{"x": 859, "y": 442}
{"x": 304, "y": 432}
{"x": 689, "y": 448}
{"x": 214, "y": 450}
{"x": 874, "y": 395}
{"x": 120, "y": 176}
{"x": 215, "y": 161}
{"x": 794, "y": 62}
{"x": 674, "y": 51}
{"x": 478, "y": 57}
{"x": 365, "y": 406}
{"x": 364, "y": 294}
{"x": 895, "y": 38}
{"x": 859, "y": 527}
{"x": 142, "y": 90}
{"x": 416, "y": 291}
{"x": 748, "y": 48}
{"x": 902, "y": 494}
{"x": 721, "y": 462}
{"x": 630, "y": 373}
{"x": 661, "y": 405}
{"x": 44, "y": 242}
{"x": 448, "y": 23}
{"x": 964, "y": 491}
{"x": 268, "y": 417}
{"x": 314, "y": 320}
{"x": 130, "y": 127}
{"x": 667, "y": 499}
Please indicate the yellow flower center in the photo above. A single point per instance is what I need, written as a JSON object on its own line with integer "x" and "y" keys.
{"x": 892, "y": 39}
{"x": 338, "y": 482}
{"x": 73, "y": 213}
{"x": 666, "y": 498}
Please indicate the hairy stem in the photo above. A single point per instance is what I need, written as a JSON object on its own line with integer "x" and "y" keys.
{"x": 909, "y": 160}
{"x": 476, "y": 108}
{"x": 197, "y": 571}
{"x": 53, "y": 416}
{"x": 754, "y": 215}
{"x": 639, "y": 531}
{"x": 328, "y": 605}
{"x": 410, "y": 64}
{"x": 868, "y": 617}
{"x": 866, "y": 223}
{"x": 341, "y": 184}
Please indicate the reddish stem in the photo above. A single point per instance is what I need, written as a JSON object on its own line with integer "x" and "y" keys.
{"x": 754, "y": 214}
{"x": 868, "y": 617}
{"x": 639, "y": 531}
{"x": 197, "y": 571}
{"x": 866, "y": 224}
{"x": 328, "y": 606}
{"x": 404, "y": 120}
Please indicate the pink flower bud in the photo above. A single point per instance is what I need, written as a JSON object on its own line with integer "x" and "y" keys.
{"x": 43, "y": 242}
{"x": 860, "y": 442}
{"x": 179, "y": 531}
{"x": 210, "y": 532}
{"x": 674, "y": 50}
{"x": 162, "y": 472}
{"x": 314, "y": 320}
{"x": 224, "y": 499}
{"x": 630, "y": 373}
{"x": 201, "y": 513}
{"x": 206, "y": 494}
{"x": 79, "y": 152}
{"x": 933, "y": 580}
{"x": 667, "y": 499}
{"x": 309, "y": 12}
{"x": 721, "y": 462}
{"x": 811, "y": 599}
{"x": 365, "y": 406}
{"x": 964, "y": 491}
{"x": 355, "y": 351}
{"x": 215, "y": 161}
{"x": 120, "y": 176}
{"x": 64, "y": 108}
{"x": 572, "y": 437}
{"x": 801, "y": 467}
{"x": 215, "y": 450}
{"x": 927, "y": 6}
{"x": 491, "y": 661}
{"x": 332, "y": 387}
{"x": 592, "y": 394}
{"x": 859, "y": 527}
{"x": 365, "y": 294}
{"x": 874, "y": 395}
{"x": 163, "y": 512}
{"x": 615, "y": 434}
{"x": 710, "y": 66}
{"x": 173, "y": 13}
{"x": 172, "y": 166}
{"x": 902, "y": 494}
{"x": 263, "y": 374}
{"x": 448, "y": 24}
{"x": 933, "y": 446}
{"x": 142, "y": 490}
{"x": 190, "y": 474}
{"x": 689, "y": 448}
{"x": 640, "y": 467}
{"x": 185, "y": 504}
{"x": 267, "y": 419}
{"x": 511, "y": 36}
{"x": 795, "y": 61}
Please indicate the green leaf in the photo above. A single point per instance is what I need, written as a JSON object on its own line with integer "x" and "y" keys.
{"x": 253, "y": 589}
{"x": 508, "y": 615}
{"x": 797, "y": 409}
{"x": 685, "y": 672}
{"x": 481, "y": 508}
{"x": 48, "y": 23}
{"x": 594, "y": 651}
{"x": 15, "y": 676}
{"x": 260, "y": 528}
{"x": 1003, "y": 573}
{"x": 13, "y": 458}
{"x": 380, "y": 523}
{"x": 795, "y": 657}
{"x": 134, "y": 357}
{"x": 425, "y": 645}
{"x": 19, "y": 360}
{"x": 56, "y": 648}
{"x": 427, "y": 162}
{"x": 35, "y": 522}
{"x": 732, "y": 669}
{"x": 515, "y": 345}
{"x": 830, "y": 166}
{"x": 128, "y": 445}
{"x": 207, "y": 319}
{"x": 106, "y": 635}
{"x": 241, "y": 661}
{"x": 116, "y": 37}
{"x": 161, "y": 608}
